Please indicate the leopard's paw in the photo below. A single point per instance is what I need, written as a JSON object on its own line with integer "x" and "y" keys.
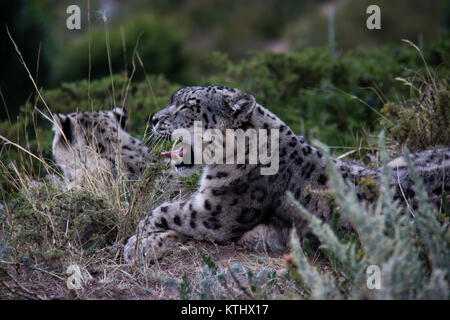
{"x": 152, "y": 247}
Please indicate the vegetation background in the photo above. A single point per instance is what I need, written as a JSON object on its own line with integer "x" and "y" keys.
{"x": 313, "y": 62}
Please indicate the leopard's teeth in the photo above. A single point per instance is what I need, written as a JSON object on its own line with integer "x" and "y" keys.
{"x": 176, "y": 155}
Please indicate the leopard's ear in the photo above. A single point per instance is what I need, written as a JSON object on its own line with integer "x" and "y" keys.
{"x": 121, "y": 115}
{"x": 242, "y": 105}
{"x": 65, "y": 126}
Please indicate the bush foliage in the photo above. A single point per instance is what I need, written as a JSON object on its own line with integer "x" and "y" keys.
{"x": 158, "y": 43}
{"x": 420, "y": 121}
{"x": 323, "y": 97}
{"x": 411, "y": 250}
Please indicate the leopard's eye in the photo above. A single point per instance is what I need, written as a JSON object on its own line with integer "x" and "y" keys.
{"x": 183, "y": 107}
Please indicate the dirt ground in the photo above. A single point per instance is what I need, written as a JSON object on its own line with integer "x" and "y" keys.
{"x": 121, "y": 281}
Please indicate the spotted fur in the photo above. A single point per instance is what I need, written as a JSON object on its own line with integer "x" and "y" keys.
{"x": 236, "y": 202}
{"x": 89, "y": 143}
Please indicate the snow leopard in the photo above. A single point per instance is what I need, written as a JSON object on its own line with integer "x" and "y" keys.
{"x": 235, "y": 202}
{"x": 87, "y": 144}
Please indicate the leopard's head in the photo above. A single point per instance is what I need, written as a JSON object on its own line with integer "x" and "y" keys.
{"x": 213, "y": 107}
{"x": 78, "y": 129}
{"x": 85, "y": 137}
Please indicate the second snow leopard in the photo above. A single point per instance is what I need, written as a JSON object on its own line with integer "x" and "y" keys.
{"x": 95, "y": 145}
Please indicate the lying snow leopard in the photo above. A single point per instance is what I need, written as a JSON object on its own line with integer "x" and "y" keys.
{"x": 87, "y": 144}
{"x": 235, "y": 201}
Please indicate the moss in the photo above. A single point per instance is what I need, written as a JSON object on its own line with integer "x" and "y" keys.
{"x": 370, "y": 187}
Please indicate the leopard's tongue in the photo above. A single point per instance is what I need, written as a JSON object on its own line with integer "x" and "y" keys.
{"x": 176, "y": 154}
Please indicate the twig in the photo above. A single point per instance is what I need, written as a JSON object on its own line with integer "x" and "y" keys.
{"x": 25, "y": 290}
{"x": 49, "y": 273}
{"x": 346, "y": 154}
{"x": 240, "y": 285}
{"x": 404, "y": 197}
{"x": 13, "y": 291}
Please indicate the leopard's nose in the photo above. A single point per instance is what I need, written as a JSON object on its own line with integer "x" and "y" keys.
{"x": 155, "y": 120}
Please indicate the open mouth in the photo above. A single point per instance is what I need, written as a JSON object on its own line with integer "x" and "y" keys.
{"x": 177, "y": 157}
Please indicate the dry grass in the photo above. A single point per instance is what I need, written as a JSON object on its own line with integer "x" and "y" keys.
{"x": 421, "y": 122}
{"x": 38, "y": 274}
{"x": 49, "y": 229}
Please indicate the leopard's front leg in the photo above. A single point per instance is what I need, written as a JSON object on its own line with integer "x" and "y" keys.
{"x": 154, "y": 237}
{"x": 151, "y": 247}
{"x": 199, "y": 217}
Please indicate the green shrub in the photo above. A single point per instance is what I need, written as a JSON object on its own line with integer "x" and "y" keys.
{"x": 317, "y": 95}
{"x": 45, "y": 223}
{"x": 438, "y": 52}
{"x": 421, "y": 120}
{"x": 412, "y": 253}
{"x": 160, "y": 46}
{"x": 333, "y": 99}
